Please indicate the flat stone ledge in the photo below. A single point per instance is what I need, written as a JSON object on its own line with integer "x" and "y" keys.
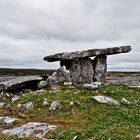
{"x": 87, "y": 53}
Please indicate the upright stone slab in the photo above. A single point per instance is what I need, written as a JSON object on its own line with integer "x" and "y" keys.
{"x": 100, "y": 68}
{"x": 81, "y": 71}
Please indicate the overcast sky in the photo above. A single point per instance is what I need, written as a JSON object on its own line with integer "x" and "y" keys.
{"x": 32, "y": 29}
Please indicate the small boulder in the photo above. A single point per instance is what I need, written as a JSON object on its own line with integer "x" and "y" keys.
{"x": 42, "y": 84}
{"x": 63, "y": 75}
{"x": 53, "y": 78}
{"x": 39, "y": 92}
{"x": 54, "y": 88}
{"x": 15, "y": 98}
{"x": 93, "y": 85}
{"x": 45, "y": 102}
{"x": 2, "y": 104}
{"x": 105, "y": 100}
{"x": 27, "y": 106}
{"x": 9, "y": 121}
{"x": 67, "y": 83}
{"x": 125, "y": 102}
{"x": 55, "y": 105}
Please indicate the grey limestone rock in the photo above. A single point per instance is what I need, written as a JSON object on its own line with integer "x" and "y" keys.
{"x": 87, "y": 53}
{"x": 19, "y": 82}
{"x": 63, "y": 75}
{"x": 26, "y": 106}
{"x": 93, "y": 85}
{"x": 82, "y": 71}
{"x": 2, "y": 104}
{"x": 55, "y": 105}
{"x": 42, "y": 84}
{"x": 100, "y": 68}
{"x": 105, "y": 100}
{"x": 8, "y": 120}
{"x": 30, "y": 129}
{"x": 15, "y": 98}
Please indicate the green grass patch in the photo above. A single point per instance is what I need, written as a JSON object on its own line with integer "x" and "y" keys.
{"x": 85, "y": 118}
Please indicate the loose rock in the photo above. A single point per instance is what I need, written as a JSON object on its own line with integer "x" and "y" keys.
{"x": 27, "y": 106}
{"x": 9, "y": 121}
{"x": 15, "y": 98}
{"x": 63, "y": 75}
{"x": 42, "y": 84}
{"x": 45, "y": 103}
{"x": 2, "y": 104}
{"x": 67, "y": 83}
{"x": 55, "y": 105}
{"x": 125, "y": 102}
{"x": 39, "y": 92}
{"x": 93, "y": 85}
{"x": 105, "y": 100}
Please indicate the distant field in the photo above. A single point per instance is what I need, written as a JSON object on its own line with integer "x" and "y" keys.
{"x": 19, "y": 72}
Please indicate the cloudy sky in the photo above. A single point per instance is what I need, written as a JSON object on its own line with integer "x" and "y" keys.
{"x": 32, "y": 29}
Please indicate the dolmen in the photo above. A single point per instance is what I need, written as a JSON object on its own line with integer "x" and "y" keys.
{"x": 83, "y": 69}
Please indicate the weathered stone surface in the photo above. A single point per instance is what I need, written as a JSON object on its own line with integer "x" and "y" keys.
{"x": 87, "y": 53}
{"x": 19, "y": 82}
{"x": 15, "y": 98}
{"x": 53, "y": 78}
{"x": 26, "y": 106}
{"x": 45, "y": 103}
{"x": 55, "y": 105}
{"x": 42, "y": 84}
{"x": 82, "y": 71}
{"x": 9, "y": 121}
{"x": 93, "y": 85}
{"x": 2, "y": 104}
{"x": 105, "y": 100}
{"x": 100, "y": 68}
{"x": 30, "y": 129}
{"x": 63, "y": 75}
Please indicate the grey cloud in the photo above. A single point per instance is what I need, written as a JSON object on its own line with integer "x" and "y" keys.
{"x": 32, "y": 29}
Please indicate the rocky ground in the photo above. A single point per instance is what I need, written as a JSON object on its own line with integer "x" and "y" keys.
{"x": 109, "y": 111}
{"x": 124, "y": 78}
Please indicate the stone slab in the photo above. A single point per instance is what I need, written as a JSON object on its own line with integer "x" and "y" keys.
{"x": 87, "y": 53}
{"x": 81, "y": 71}
{"x": 18, "y": 82}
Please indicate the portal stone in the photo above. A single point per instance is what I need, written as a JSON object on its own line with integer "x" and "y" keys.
{"x": 100, "y": 68}
{"x": 81, "y": 71}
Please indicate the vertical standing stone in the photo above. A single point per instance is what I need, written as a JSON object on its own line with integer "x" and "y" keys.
{"x": 100, "y": 68}
{"x": 81, "y": 71}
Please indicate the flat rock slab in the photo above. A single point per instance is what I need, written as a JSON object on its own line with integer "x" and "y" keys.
{"x": 105, "y": 100}
{"x": 87, "y": 53}
{"x": 18, "y": 82}
{"x": 30, "y": 129}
